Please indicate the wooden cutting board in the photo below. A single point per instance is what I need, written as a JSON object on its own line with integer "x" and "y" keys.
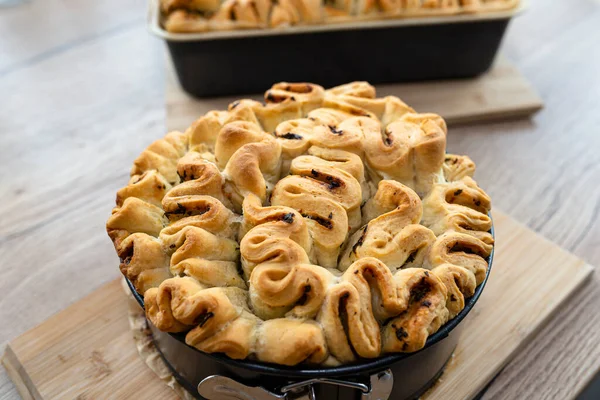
{"x": 501, "y": 93}
{"x": 87, "y": 350}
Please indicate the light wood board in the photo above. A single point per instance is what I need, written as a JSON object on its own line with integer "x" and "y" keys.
{"x": 501, "y": 93}
{"x": 87, "y": 350}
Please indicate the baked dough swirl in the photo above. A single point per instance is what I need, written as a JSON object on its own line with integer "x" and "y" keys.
{"x": 323, "y": 226}
{"x": 367, "y": 296}
{"x": 392, "y": 232}
{"x": 275, "y": 256}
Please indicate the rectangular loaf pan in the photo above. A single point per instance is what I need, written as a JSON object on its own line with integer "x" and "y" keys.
{"x": 383, "y": 51}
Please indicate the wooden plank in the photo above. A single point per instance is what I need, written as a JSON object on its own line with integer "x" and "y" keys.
{"x": 501, "y": 93}
{"x": 18, "y": 375}
{"x": 87, "y": 350}
{"x": 84, "y": 352}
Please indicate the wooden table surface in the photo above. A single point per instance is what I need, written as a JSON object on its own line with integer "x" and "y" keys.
{"x": 82, "y": 85}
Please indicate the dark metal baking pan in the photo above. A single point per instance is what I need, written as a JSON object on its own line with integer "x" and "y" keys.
{"x": 412, "y": 373}
{"x": 383, "y": 51}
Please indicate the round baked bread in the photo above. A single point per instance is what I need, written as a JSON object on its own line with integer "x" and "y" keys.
{"x": 322, "y": 227}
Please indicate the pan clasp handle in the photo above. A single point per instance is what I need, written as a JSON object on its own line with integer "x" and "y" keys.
{"x": 382, "y": 384}
{"x": 217, "y": 387}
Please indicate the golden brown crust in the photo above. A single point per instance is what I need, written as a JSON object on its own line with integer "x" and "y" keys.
{"x": 240, "y": 14}
{"x": 283, "y": 14}
{"x": 210, "y": 272}
{"x": 149, "y": 186}
{"x": 425, "y": 313}
{"x": 346, "y": 161}
{"x": 254, "y": 169}
{"x": 193, "y": 242}
{"x": 204, "y": 212}
{"x": 324, "y": 127}
{"x": 277, "y": 290}
{"x": 308, "y": 95}
{"x": 351, "y": 323}
{"x": 462, "y": 250}
{"x": 460, "y": 283}
{"x": 396, "y": 201}
{"x": 182, "y": 21}
{"x": 204, "y": 178}
{"x": 250, "y": 158}
{"x": 309, "y": 11}
{"x": 267, "y": 116}
{"x": 357, "y": 89}
{"x": 233, "y": 136}
{"x": 235, "y": 339}
{"x": 358, "y": 98}
{"x": 327, "y": 222}
{"x": 459, "y": 206}
{"x": 143, "y": 261}
{"x": 290, "y": 342}
{"x": 321, "y": 226}
{"x": 134, "y": 216}
{"x": 190, "y": 5}
{"x": 282, "y": 226}
{"x": 255, "y": 214}
{"x": 203, "y": 132}
{"x": 411, "y": 151}
{"x": 181, "y": 303}
{"x": 314, "y": 179}
{"x": 456, "y": 167}
{"x": 275, "y": 256}
{"x": 391, "y": 232}
{"x": 162, "y": 155}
